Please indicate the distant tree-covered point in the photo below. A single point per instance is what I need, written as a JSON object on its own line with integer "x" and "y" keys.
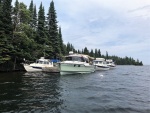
{"x": 26, "y": 33}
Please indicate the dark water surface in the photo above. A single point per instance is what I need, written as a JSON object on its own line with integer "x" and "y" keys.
{"x": 125, "y": 89}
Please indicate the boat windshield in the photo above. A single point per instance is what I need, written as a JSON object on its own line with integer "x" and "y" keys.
{"x": 104, "y": 62}
{"x": 45, "y": 62}
{"x": 39, "y": 62}
{"x": 109, "y": 62}
{"x": 95, "y": 62}
{"x": 100, "y": 62}
{"x": 75, "y": 58}
{"x": 42, "y": 62}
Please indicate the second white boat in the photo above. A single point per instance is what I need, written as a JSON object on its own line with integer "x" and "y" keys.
{"x": 100, "y": 64}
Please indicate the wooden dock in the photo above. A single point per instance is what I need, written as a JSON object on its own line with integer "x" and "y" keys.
{"x": 54, "y": 69}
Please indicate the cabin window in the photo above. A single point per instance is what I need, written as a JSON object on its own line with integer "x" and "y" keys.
{"x": 105, "y": 62}
{"x": 96, "y": 62}
{"x": 73, "y": 58}
{"x": 86, "y": 60}
{"x": 69, "y": 58}
{"x": 40, "y": 62}
{"x": 76, "y": 58}
{"x": 100, "y": 62}
{"x": 45, "y": 62}
{"x": 82, "y": 59}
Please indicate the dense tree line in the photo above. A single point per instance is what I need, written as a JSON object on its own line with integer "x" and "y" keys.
{"x": 26, "y": 33}
{"x": 118, "y": 60}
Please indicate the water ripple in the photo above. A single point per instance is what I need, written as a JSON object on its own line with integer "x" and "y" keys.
{"x": 125, "y": 89}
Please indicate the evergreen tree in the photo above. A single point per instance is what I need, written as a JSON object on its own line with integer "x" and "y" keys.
{"x": 6, "y": 31}
{"x": 71, "y": 48}
{"x": 106, "y": 55}
{"x": 65, "y": 49}
{"x": 92, "y": 53}
{"x": 82, "y": 52}
{"x": 52, "y": 27}
{"x": 16, "y": 16}
{"x": 68, "y": 47}
{"x": 41, "y": 37}
{"x": 7, "y": 22}
{"x": 31, "y": 10}
{"x": 96, "y": 54}
{"x": 22, "y": 33}
{"x": 61, "y": 42}
{"x": 34, "y": 18}
{"x": 1, "y": 16}
{"x": 4, "y": 49}
{"x": 86, "y": 51}
{"x": 24, "y": 14}
{"x": 99, "y": 53}
{"x": 79, "y": 52}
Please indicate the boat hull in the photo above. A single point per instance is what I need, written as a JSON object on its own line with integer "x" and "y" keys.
{"x": 29, "y": 68}
{"x": 66, "y": 68}
{"x": 105, "y": 68}
{"x": 112, "y": 66}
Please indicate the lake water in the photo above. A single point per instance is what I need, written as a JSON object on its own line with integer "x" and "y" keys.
{"x": 125, "y": 89}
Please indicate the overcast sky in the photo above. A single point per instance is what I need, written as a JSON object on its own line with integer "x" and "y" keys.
{"x": 121, "y": 27}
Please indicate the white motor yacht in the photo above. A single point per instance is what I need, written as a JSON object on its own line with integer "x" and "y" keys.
{"x": 110, "y": 63}
{"x": 100, "y": 64}
{"x": 38, "y": 65}
{"x": 76, "y": 64}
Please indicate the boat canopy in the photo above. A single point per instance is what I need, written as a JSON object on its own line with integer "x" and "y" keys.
{"x": 77, "y": 58}
{"x": 109, "y": 60}
{"x": 43, "y": 61}
{"x": 100, "y": 59}
{"x": 55, "y": 60}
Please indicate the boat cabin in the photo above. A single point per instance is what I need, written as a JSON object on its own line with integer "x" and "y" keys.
{"x": 79, "y": 58}
{"x": 43, "y": 61}
{"x": 109, "y": 61}
{"x": 99, "y": 61}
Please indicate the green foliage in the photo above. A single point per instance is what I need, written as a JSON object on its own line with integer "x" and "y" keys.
{"x": 6, "y": 18}
{"x": 15, "y": 16}
{"x": 31, "y": 10}
{"x": 34, "y": 22}
{"x": 91, "y": 53}
{"x": 99, "y": 53}
{"x": 96, "y": 53}
{"x": 86, "y": 51}
{"x": 6, "y": 31}
{"x": 124, "y": 61}
{"x": 41, "y": 36}
{"x": 24, "y": 14}
{"x": 5, "y": 48}
{"x": 62, "y": 49}
{"x": 70, "y": 47}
